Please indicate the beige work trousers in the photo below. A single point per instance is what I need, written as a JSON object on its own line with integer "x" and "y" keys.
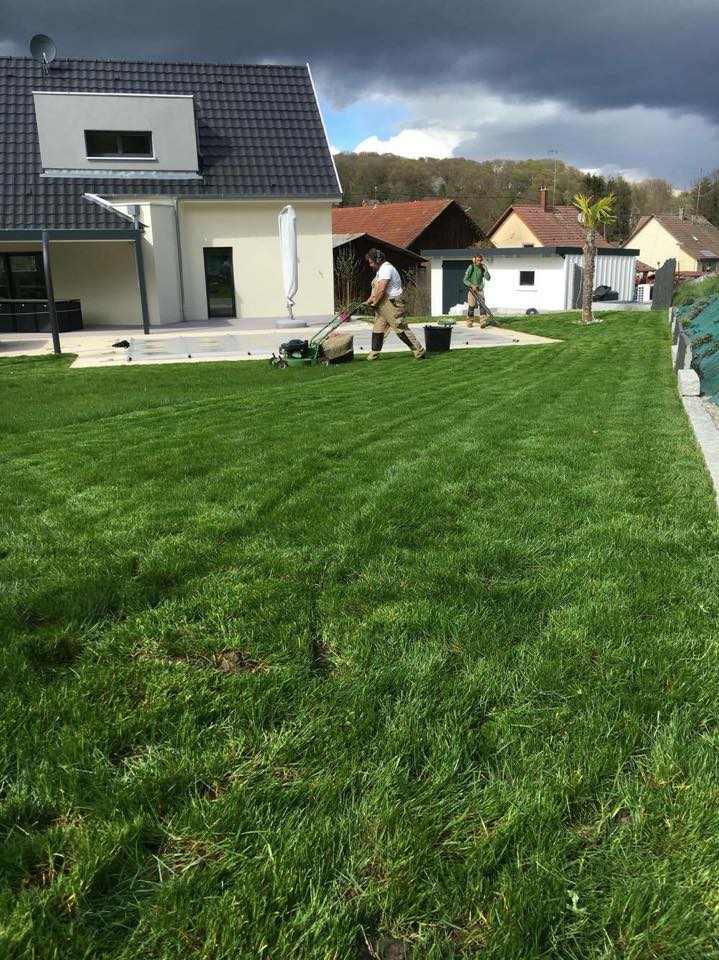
{"x": 391, "y": 314}
{"x": 476, "y": 301}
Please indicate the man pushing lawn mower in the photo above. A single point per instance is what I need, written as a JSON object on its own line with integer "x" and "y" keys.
{"x": 390, "y": 307}
{"x": 475, "y": 277}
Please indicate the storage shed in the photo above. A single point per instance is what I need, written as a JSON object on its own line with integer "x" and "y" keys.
{"x": 526, "y": 278}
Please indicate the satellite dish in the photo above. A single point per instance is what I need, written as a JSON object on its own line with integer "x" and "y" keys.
{"x": 43, "y": 49}
{"x": 580, "y": 217}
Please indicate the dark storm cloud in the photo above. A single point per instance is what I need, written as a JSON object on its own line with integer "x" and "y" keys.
{"x": 613, "y": 53}
{"x": 669, "y": 146}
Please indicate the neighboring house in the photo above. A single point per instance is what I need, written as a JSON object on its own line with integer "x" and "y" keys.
{"x": 542, "y": 225}
{"x": 414, "y": 225}
{"x": 153, "y": 190}
{"x": 525, "y": 278}
{"x": 692, "y": 241}
{"x": 353, "y": 275}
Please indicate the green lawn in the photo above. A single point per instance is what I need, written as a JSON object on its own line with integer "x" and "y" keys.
{"x": 474, "y": 709}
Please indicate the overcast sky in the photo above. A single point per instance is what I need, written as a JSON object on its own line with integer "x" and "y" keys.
{"x": 614, "y": 85}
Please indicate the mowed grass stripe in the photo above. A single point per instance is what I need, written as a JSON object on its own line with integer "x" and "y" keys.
{"x": 480, "y": 597}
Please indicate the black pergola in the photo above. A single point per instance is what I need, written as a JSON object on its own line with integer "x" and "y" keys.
{"x": 132, "y": 234}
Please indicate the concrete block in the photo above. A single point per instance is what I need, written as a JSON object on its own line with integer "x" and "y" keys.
{"x": 707, "y": 434}
{"x": 688, "y": 383}
{"x": 675, "y": 354}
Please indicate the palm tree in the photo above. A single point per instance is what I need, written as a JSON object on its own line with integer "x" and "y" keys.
{"x": 590, "y": 216}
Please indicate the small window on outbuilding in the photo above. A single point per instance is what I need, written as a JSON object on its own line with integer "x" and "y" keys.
{"x": 121, "y": 144}
{"x": 526, "y": 278}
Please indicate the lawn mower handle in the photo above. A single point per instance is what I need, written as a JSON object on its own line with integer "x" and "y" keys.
{"x": 339, "y": 318}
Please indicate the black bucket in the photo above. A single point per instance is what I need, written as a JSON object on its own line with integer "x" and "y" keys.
{"x": 437, "y": 339}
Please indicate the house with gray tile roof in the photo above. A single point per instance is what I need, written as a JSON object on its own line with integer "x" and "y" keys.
{"x": 150, "y": 191}
{"x": 690, "y": 240}
{"x": 541, "y": 225}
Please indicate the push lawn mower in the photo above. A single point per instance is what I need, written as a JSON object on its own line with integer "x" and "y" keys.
{"x": 302, "y": 353}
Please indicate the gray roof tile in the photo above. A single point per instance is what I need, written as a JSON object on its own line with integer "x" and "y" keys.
{"x": 259, "y": 129}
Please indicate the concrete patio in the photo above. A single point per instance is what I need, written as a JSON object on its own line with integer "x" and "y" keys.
{"x": 225, "y": 340}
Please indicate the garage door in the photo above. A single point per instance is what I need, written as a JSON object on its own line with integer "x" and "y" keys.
{"x": 453, "y": 290}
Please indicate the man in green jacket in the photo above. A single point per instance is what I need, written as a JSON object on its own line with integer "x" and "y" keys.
{"x": 475, "y": 276}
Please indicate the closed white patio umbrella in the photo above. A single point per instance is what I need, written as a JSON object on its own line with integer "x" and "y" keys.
{"x": 288, "y": 252}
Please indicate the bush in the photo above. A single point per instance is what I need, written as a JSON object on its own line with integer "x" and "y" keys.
{"x": 417, "y": 294}
{"x": 348, "y": 277}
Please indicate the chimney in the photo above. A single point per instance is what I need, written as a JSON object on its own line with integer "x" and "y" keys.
{"x": 543, "y": 198}
{"x": 681, "y": 213}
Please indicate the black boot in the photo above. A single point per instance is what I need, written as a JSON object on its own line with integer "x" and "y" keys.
{"x": 377, "y": 341}
{"x": 405, "y": 339}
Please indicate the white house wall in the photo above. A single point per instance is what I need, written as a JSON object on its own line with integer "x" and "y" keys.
{"x": 504, "y": 293}
{"x": 161, "y": 233}
{"x": 102, "y": 275}
{"x": 162, "y": 269}
{"x": 436, "y": 283}
{"x": 251, "y": 230}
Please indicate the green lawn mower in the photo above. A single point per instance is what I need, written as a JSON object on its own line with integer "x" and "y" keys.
{"x": 304, "y": 353}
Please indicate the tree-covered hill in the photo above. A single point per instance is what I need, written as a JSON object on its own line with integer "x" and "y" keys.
{"x": 487, "y": 187}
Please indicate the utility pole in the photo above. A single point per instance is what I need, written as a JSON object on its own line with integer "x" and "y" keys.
{"x": 554, "y": 182}
{"x": 699, "y": 191}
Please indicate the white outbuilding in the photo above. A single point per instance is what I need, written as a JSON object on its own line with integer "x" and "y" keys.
{"x": 544, "y": 279}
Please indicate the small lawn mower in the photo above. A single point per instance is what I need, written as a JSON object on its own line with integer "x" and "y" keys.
{"x": 303, "y": 353}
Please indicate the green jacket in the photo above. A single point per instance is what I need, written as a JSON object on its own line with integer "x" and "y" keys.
{"x": 476, "y": 276}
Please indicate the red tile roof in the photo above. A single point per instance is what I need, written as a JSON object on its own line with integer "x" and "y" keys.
{"x": 554, "y": 227}
{"x": 695, "y": 235}
{"x": 398, "y": 223}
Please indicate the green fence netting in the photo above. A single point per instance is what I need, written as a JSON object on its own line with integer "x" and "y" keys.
{"x": 700, "y": 321}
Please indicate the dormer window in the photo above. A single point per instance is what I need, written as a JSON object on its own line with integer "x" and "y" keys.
{"x": 110, "y": 134}
{"x": 118, "y": 144}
